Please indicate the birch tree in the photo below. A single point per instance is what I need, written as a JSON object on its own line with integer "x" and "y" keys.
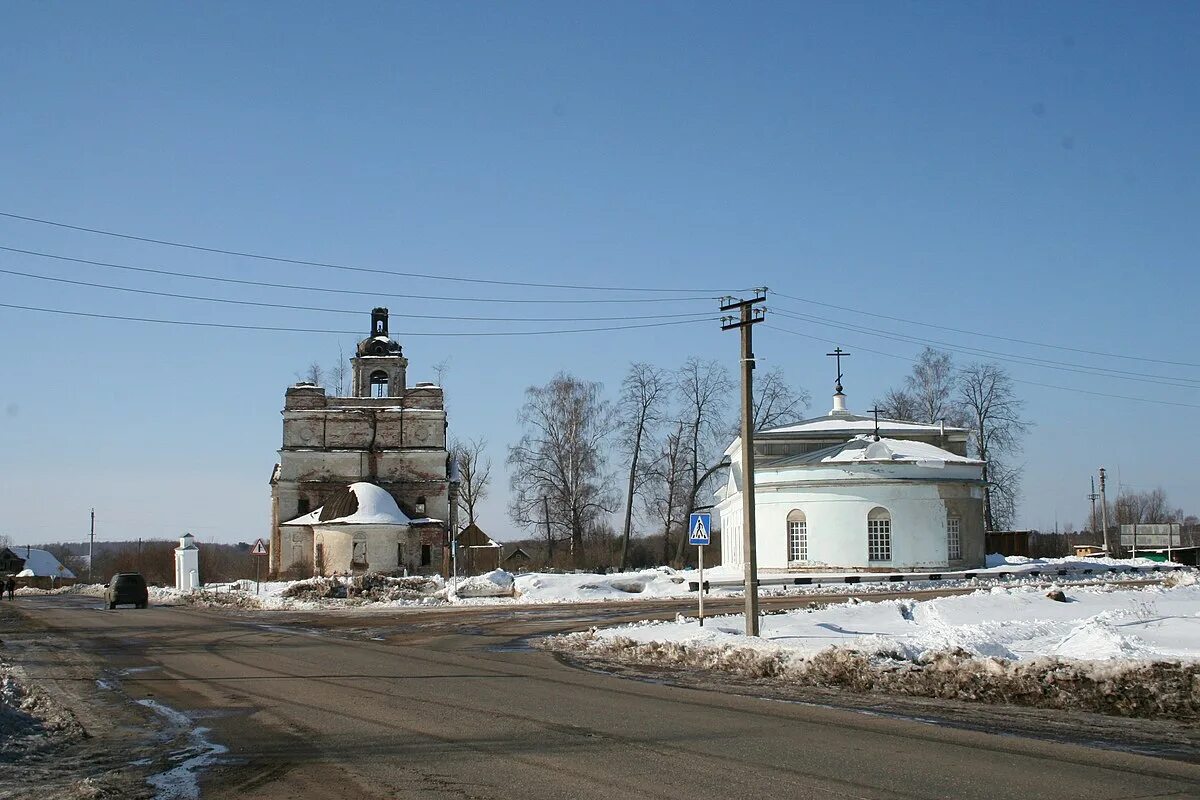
{"x": 561, "y": 459}
{"x": 993, "y": 413}
{"x": 703, "y": 389}
{"x": 666, "y": 493}
{"x": 644, "y": 392}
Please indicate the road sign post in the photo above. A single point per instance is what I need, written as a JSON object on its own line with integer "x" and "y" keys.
{"x": 259, "y": 550}
{"x": 700, "y": 534}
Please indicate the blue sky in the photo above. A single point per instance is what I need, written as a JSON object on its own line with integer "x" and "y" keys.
{"x": 1028, "y": 170}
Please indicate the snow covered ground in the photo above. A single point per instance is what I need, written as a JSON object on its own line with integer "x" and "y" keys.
{"x": 1124, "y": 650}
{"x": 503, "y": 588}
{"x": 1014, "y": 624}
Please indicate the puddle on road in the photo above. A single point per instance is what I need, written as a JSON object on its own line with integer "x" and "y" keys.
{"x": 182, "y": 781}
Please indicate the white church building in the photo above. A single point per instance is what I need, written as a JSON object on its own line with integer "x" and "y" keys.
{"x": 845, "y": 491}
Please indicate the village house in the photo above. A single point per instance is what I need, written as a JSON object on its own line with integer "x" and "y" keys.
{"x": 845, "y": 491}
{"x": 384, "y": 449}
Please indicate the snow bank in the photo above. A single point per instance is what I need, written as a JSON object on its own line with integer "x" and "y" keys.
{"x": 1134, "y": 652}
{"x": 542, "y": 587}
{"x": 496, "y": 583}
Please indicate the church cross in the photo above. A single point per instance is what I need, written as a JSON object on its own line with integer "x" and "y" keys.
{"x": 876, "y": 411}
{"x": 837, "y": 353}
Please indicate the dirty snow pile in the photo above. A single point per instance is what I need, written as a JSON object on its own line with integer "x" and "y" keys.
{"x": 1124, "y": 651}
{"x": 30, "y": 717}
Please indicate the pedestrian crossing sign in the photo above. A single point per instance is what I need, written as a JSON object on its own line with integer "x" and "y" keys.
{"x": 700, "y": 529}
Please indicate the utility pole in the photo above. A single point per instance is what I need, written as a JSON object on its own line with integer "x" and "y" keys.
{"x": 748, "y": 317}
{"x": 91, "y": 546}
{"x": 1093, "y": 497}
{"x": 1104, "y": 513}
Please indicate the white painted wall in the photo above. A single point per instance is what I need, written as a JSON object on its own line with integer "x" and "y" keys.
{"x": 836, "y": 502}
{"x": 187, "y": 569}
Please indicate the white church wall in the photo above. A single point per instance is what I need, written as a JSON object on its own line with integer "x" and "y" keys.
{"x": 836, "y": 525}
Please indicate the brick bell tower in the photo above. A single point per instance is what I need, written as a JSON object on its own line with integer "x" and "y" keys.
{"x": 379, "y": 362}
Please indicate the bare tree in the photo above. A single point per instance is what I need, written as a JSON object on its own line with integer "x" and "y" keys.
{"x": 666, "y": 491}
{"x": 643, "y": 394}
{"x": 929, "y": 393}
{"x": 337, "y": 374}
{"x": 1145, "y": 507}
{"x": 561, "y": 458}
{"x": 897, "y": 404}
{"x": 312, "y": 374}
{"x": 704, "y": 389}
{"x": 776, "y": 403}
{"x": 994, "y": 415}
{"x": 474, "y": 474}
{"x": 931, "y": 384}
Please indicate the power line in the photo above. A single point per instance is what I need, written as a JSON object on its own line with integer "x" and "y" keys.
{"x": 232, "y": 326}
{"x": 1015, "y": 380}
{"x": 356, "y": 292}
{"x": 985, "y": 335}
{"x": 289, "y": 307}
{"x": 1083, "y": 369}
{"x": 349, "y": 267}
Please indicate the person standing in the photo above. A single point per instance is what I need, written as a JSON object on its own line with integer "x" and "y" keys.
{"x": 10, "y": 586}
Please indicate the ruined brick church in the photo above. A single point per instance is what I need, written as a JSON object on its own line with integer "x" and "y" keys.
{"x": 362, "y": 483}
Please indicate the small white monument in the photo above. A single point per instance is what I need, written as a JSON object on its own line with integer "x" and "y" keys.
{"x": 187, "y": 564}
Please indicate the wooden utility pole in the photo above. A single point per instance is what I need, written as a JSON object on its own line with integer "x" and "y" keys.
{"x": 748, "y": 316}
{"x": 1104, "y": 514}
{"x": 549, "y": 538}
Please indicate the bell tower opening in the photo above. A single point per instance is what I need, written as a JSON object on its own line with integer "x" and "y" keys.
{"x": 379, "y": 322}
{"x": 379, "y": 383}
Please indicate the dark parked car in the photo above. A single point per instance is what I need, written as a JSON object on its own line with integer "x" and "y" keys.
{"x": 127, "y": 588}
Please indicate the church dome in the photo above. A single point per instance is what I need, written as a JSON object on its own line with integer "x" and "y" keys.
{"x": 379, "y": 346}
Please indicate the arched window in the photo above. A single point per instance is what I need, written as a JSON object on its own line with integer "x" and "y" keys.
{"x": 879, "y": 535}
{"x": 797, "y": 533}
{"x": 953, "y": 539}
{"x": 379, "y": 383}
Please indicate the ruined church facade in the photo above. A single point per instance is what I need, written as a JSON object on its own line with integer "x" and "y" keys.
{"x": 388, "y": 434}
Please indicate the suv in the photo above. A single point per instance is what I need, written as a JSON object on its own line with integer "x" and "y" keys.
{"x": 127, "y": 587}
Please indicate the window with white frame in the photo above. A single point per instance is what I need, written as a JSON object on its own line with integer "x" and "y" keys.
{"x": 797, "y": 530}
{"x": 879, "y": 535}
{"x": 953, "y": 539}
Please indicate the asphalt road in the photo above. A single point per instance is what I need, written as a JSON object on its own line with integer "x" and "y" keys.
{"x": 449, "y": 704}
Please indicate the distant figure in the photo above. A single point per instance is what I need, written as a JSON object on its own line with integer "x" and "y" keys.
{"x": 10, "y": 586}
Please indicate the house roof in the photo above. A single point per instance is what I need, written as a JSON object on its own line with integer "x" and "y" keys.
{"x": 851, "y": 424}
{"x": 41, "y": 563}
{"x": 473, "y": 536}
{"x": 518, "y": 553}
{"x": 866, "y": 449}
{"x": 359, "y": 503}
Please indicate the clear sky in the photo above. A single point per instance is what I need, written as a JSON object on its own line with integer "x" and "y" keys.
{"x": 1025, "y": 170}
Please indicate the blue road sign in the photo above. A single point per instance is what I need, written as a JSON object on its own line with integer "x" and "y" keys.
{"x": 700, "y": 529}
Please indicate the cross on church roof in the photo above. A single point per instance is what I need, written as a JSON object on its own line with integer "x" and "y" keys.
{"x": 837, "y": 353}
{"x": 876, "y": 411}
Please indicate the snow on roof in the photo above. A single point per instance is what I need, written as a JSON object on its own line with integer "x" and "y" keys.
{"x": 833, "y": 423}
{"x": 866, "y": 449}
{"x": 359, "y": 503}
{"x": 42, "y": 562}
